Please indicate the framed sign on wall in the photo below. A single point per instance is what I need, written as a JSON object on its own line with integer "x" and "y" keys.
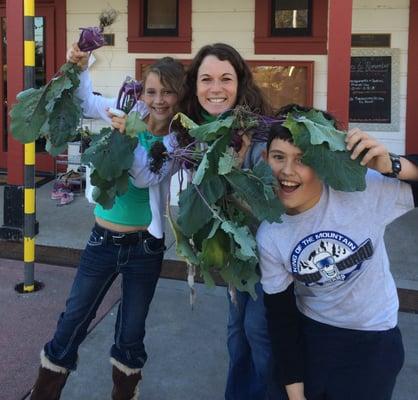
{"x": 374, "y": 89}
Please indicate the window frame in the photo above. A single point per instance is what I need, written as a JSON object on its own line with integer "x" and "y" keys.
{"x": 138, "y": 42}
{"x": 266, "y": 43}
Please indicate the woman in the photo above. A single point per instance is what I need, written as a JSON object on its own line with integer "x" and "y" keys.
{"x": 217, "y": 80}
{"x": 127, "y": 239}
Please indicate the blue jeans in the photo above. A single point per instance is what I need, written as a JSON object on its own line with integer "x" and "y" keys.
{"x": 101, "y": 262}
{"x": 250, "y": 375}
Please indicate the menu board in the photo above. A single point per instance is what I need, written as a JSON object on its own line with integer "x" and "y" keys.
{"x": 370, "y": 89}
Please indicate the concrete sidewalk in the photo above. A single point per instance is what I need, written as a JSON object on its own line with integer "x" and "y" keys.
{"x": 187, "y": 350}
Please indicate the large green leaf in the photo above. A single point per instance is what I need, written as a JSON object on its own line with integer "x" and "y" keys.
{"x": 204, "y": 233}
{"x": 110, "y": 153}
{"x": 64, "y": 121}
{"x": 335, "y": 168}
{"x": 242, "y": 275}
{"x": 106, "y": 198}
{"x": 55, "y": 150}
{"x": 253, "y": 191}
{"x": 193, "y": 211}
{"x": 28, "y": 115}
{"x": 212, "y": 189}
{"x": 185, "y": 121}
{"x": 212, "y": 130}
{"x": 56, "y": 87}
{"x": 243, "y": 237}
{"x": 135, "y": 124}
{"x": 321, "y": 129}
{"x": 72, "y": 71}
{"x": 216, "y": 250}
{"x": 226, "y": 163}
{"x": 209, "y": 164}
{"x": 183, "y": 247}
{"x": 201, "y": 170}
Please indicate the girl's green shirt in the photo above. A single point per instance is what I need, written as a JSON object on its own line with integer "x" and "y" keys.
{"x": 132, "y": 208}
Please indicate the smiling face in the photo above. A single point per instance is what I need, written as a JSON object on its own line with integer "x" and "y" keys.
{"x": 299, "y": 187}
{"x": 160, "y": 100}
{"x": 216, "y": 85}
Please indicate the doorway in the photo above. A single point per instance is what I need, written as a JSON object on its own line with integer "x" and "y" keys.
{"x": 45, "y": 66}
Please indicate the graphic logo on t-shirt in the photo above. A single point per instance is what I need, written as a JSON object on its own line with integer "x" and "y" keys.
{"x": 325, "y": 257}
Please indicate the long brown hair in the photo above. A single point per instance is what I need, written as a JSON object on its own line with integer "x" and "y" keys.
{"x": 249, "y": 94}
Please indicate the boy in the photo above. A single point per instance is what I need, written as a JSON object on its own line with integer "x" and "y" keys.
{"x": 330, "y": 297}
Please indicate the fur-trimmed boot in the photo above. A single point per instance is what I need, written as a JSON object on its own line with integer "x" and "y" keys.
{"x": 125, "y": 381}
{"x": 50, "y": 382}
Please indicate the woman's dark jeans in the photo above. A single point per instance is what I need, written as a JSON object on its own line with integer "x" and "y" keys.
{"x": 105, "y": 256}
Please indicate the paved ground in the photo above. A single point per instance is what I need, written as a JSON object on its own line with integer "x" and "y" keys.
{"x": 186, "y": 347}
{"x": 188, "y": 358}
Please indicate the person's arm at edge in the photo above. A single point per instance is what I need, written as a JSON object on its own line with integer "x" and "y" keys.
{"x": 376, "y": 156}
{"x": 283, "y": 321}
{"x": 409, "y": 162}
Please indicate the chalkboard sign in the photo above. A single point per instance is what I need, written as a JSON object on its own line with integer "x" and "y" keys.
{"x": 370, "y": 89}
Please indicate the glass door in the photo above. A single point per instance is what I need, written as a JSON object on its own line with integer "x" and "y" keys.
{"x": 44, "y": 70}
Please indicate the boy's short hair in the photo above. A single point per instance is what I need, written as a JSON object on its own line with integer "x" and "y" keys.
{"x": 278, "y": 131}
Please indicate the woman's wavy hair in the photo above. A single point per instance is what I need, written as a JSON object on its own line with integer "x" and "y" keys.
{"x": 249, "y": 94}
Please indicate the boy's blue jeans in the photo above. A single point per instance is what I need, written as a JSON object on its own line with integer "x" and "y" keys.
{"x": 250, "y": 375}
{"x": 101, "y": 262}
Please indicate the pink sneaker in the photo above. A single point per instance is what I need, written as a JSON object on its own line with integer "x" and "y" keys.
{"x": 66, "y": 198}
{"x": 58, "y": 194}
{"x": 59, "y": 189}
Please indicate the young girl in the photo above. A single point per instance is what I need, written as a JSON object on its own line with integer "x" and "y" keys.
{"x": 127, "y": 239}
{"x": 328, "y": 254}
{"x": 217, "y": 80}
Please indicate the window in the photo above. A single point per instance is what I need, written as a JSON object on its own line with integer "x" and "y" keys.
{"x": 159, "y": 27}
{"x": 291, "y": 18}
{"x": 291, "y": 26}
{"x": 160, "y": 18}
{"x": 282, "y": 82}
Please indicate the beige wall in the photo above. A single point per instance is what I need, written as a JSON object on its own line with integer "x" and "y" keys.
{"x": 232, "y": 21}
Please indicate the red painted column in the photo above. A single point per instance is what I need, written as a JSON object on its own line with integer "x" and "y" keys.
{"x": 412, "y": 83}
{"x": 15, "y": 82}
{"x": 339, "y": 57}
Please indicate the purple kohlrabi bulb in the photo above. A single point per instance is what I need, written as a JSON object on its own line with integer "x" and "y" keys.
{"x": 236, "y": 142}
{"x": 91, "y": 39}
{"x": 129, "y": 94}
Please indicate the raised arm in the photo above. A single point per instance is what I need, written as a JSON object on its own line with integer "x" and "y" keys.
{"x": 376, "y": 156}
{"x": 94, "y": 106}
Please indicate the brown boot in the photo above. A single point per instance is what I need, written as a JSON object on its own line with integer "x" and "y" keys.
{"x": 125, "y": 381}
{"x": 50, "y": 382}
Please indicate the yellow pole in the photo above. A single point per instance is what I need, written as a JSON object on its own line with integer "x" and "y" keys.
{"x": 29, "y": 170}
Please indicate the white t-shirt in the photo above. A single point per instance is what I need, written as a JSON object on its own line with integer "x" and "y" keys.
{"x": 336, "y": 255}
